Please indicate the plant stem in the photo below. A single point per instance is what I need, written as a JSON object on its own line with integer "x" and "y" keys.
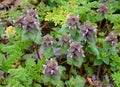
{"x": 60, "y": 59}
{"x": 63, "y": 62}
{"x": 70, "y": 71}
{"x": 49, "y": 85}
{"x": 99, "y": 25}
{"x": 36, "y": 49}
{"x": 98, "y": 72}
{"x": 106, "y": 22}
{"x": 81, "y": 70}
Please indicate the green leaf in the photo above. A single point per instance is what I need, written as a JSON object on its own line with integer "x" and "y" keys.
{"x": 48, "y": 52}
{"x": 73, "y": 32}
{"x": 106, "y": 60}
{"x": 64, "y": 49}
{"x": 69, "y": 61}
{"x": 116, "y": 78}
{"x": 60, "y": 83}
{"x": 38, "y": 38}
{"x": 93, "y": 49}
{"x": 21, "y": 75}
{"x": 76, "y": 82}
{"x": 113, "y": 50}
{"x": 25, "y": 36}
{"x": 2, "y": 59}
{"x": 1, "y": 30}
{"x": 75, "y": 61}
{"x": 46, "y": 78}
{"x": 88, "y": 69}
{"x": 37, "y": 85}
{"x": 98, "y": 62}
{"x": 62, "y": 68}
{"x": 30, "y": 62}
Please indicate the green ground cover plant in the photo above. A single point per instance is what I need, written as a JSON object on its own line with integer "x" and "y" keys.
{"x": 60, "y": 43}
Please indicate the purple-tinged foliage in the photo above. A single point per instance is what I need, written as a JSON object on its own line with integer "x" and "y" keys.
{"x": 98, "y": 83}
{"x": 75, "y": 50}
{"x": 1, "y": 74}
{"x": 0, "y": 22}
{"x": 112, "y": 38}
{"x": 57, "y": 52}
{"x": 48, "y": 40}
{"x": 40, "y": 54}
{"x": 103, "y": 0}
{"x": 31, "y": 12}
{"x": 103, "y": 9}
{"x": 29, "y": 22}
{"x": 51, "y": 68}
{"x": 65, "y": 39}
{"x": 73, "y": 21}
{"x": 88, "y": 31}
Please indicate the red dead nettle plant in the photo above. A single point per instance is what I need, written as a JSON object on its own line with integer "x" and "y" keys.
{"x": 47, "y": 45}
{"x": 103, "y": 10}
{"x": 112, "y": 40}
{"x": 75, "y": 54}
{"x": 74, "y": 25}
{"x": 30, "y": 25}
{"x": 88, "y": 32}
{"x": 58, "y": 58}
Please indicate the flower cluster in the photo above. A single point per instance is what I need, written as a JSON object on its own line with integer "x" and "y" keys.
{"x": 31, "y": 12}
{"x": 48, "y": 40}
{"x": 88, "y": 31}
{"x": 75, "y": 50}
{"x": 112, "y": 38}
{"x": 103, "y": 9}
{"x": 65, "y": 39}
{"x": 29, "y": 23}
{"x": 73, "y": 21}
{"x": 51, "y": 68}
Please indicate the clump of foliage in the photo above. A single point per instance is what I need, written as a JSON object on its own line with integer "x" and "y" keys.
{"x": 80, "y": 47}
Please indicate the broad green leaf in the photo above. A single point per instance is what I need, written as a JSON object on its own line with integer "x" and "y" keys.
{"x": 98, "y": 62}
{"x": 76, "y": 82}
{"x": 106, "y": 60}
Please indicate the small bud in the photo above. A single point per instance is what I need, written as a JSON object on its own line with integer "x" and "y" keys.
{"x": 75, "y": 50}
{"x": 112, "y": 39}
{"x": 88, "y": 31}
{"x": 65, "y": 39}
{"x": 73, "y": 21}
{"x": 51, "y": 68}
{"x": 29, "y": 22}
{"x": 48, "y": 40}
{"x": 103, "y": 9}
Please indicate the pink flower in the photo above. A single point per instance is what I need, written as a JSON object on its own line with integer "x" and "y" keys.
{"x": 65, "y": 39}
{"x": 73, "y": 21}
{"x": 51, "y": 68}
{"x": 48, "y": 40}
{"x": 103, "y": 9}
{"x": 75, "y": 50}
{"x": 112, "y": 38}
{"x": 29, "y": 22}
{"x": 88, "y": 31}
